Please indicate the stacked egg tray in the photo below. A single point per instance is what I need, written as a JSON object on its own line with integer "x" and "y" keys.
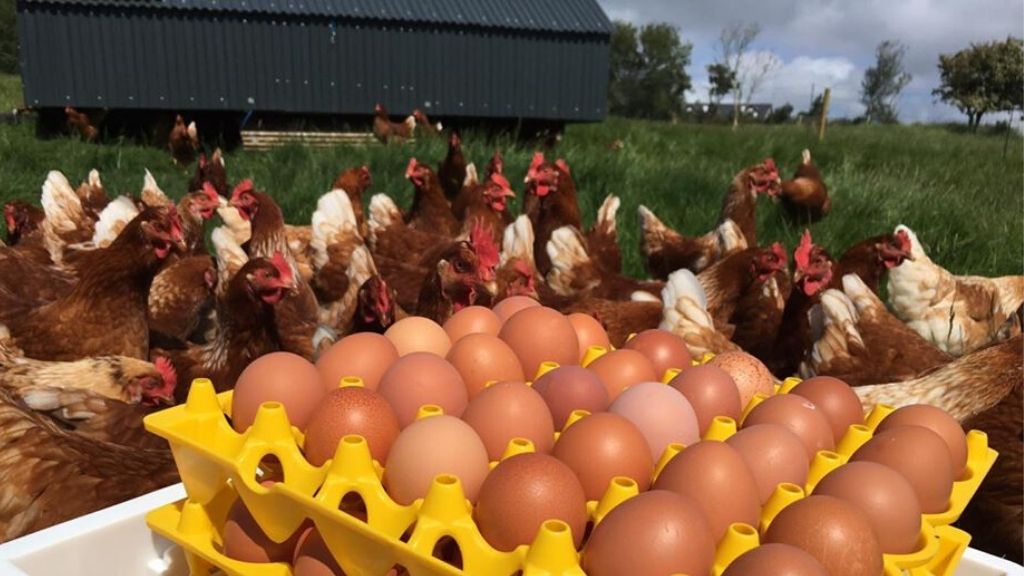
{"x": 218, "y": 465}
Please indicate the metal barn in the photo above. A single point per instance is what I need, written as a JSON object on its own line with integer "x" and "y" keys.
{"x": 516, "y": 59}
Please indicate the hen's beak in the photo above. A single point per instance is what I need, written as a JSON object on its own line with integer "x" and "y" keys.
{"x": 798, "y": 275}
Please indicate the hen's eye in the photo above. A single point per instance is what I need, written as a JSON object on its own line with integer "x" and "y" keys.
{"x": 461, "y": 266}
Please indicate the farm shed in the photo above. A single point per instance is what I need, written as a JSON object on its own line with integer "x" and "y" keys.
{"x": 484, "y": 59}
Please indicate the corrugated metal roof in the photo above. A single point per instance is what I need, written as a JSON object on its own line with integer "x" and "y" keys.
{"x": 579, "y": 16}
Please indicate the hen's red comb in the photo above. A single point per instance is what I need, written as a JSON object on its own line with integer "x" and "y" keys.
{"x": 780, "y": 252}
{"x": 802, "y": 255}
{"x": 284, "y": 270}
{"x": 483, "y": 244}
{"x": 904, "y": 241}
{"x": 769, "y": 164}
{"x": 562, "y": 165}
{"x": 242, "y": 187}
{"x": 410, "y": 169}
{"x": 210, "y": 191}
{"x": 383, "y": 297}
{"x": 501, "y": 181}
{"x": 167, "y": 371}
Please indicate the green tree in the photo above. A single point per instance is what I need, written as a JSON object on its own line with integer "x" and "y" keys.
{"x": 648, "y": 76}
{"x": 883, "y": 82}
{"x": 781, "y": 115}
{"x": 983, "y": 78}
{"x": 624, "y": 68}
{"x": 8, "y": 38}
{"x": 721, "y": 81}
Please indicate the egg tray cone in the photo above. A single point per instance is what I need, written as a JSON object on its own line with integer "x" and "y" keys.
{"x": 218, "y": 465}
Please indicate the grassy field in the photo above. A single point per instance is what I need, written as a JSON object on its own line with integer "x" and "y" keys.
{"x": 959, "y": 193}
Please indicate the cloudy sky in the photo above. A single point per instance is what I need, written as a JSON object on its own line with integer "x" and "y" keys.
{"x": 831, "y": 42}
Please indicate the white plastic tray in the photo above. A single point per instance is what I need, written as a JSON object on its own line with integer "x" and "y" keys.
{"x": 116, "y": 542}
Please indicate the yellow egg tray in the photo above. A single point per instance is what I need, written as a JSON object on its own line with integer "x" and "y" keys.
{"x": 218, "y": 465}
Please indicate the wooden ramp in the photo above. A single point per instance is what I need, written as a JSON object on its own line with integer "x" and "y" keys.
{"x": 264, "y": 140}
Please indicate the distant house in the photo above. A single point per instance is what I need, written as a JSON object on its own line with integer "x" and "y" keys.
{"x": 544, "y": 60}
{"x": 724, "y": 110}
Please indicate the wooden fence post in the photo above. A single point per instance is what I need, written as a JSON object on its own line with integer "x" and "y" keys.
{"x": 824, "y": 113}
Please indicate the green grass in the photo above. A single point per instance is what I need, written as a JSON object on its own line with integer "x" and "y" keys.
{"x": 958, "y": 192}
{"x": 10, "y": 92}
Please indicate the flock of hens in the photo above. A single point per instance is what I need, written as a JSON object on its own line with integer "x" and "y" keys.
{"x": 110, "y": 307}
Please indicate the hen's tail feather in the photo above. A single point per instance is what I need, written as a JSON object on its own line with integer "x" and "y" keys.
{"x": 730, "y": 238}
{"x": 471, "y": 178}
{"x": 240, "y": 228}
{"x": 333, "y": 222}
{"x": 152, "y": 195}
{"x": 384, "y": 213}
{"x": 113, "y": 219}
{"x": 606, "y": 214}
{"x": 193, "y": 132}
{"x": 836, "y": 333}
{"x": 685, "y": 314}
{"x": 61, "y": 205}
{"x": 230, "y": 256}
{"x": 517, "y": 241}
{"x": 653, "y": 229}
{"x": 94, "y": 179}
{"x": 567, "y": 254}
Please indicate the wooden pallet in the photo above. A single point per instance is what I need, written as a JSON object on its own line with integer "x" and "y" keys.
{"x": 264, "y": 140}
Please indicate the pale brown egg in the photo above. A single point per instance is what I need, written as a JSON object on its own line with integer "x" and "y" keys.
{"x": 418, "y": 334}
{"x": 652, "y": 534}
{"x": 509, "y": 306}
{"x": 836, "y": 400}
{"x": 277, "y": 377}
{"x": 800, "y": 416}
{"x": 777, "y": 560}
{"x": 423, "y": 378}
{"x": 661, "y": 413}
{"x": 664, "y": 349}
{"x": 833, "y": 531}
{"x": 481, "y": 358}
{"x": 938, "y": 421}
{"x": 351, "y": 410}
{"x": 472, "y": 320}
{"x": 920, "y": 456}
{"x": 589, "y": 332}
{"x": 312, "y": 557}
{"x": 430, "y": 447}
{"x": 621, "y": 369}
{"x": 523, "y": 492}
{"x": 601, "y": 447}
{"x": 886, "y": 499}
{"x": 715, "y": 476}
{"x": 773, "y": 454}
{"x": 569, "y": 388}
{"x": 510, "y": 410}
{"x": 245, "y": 541}
{"x": 750, "y": 374}
{"x": 364, "y": 355}
{"x": 710, "y": 391}
{"x": 539, "y": 334}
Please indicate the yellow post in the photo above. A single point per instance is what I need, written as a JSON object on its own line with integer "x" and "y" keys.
{"x": 824, "y": 113}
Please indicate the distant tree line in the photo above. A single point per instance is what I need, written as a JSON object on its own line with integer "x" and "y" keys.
{"x": 8, "y": 38}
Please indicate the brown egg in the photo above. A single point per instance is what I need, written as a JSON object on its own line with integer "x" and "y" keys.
{"x": 481, "y": 358}
{"x": 524, "y": 491}
{"x": 472, "y": 320}
{"x": 651, "y": 534}
{"x": 351, "y": 410}
{"x": 601, "y": 447}
{"x": 589, "y": 332}
{"x": 834, "y": 531}
{"x": 938, "y": 421}
{"x": 664, "y": 349}
{"x": 773, "y": 454}
{"x": 422, "y": 378}
{"x": 662, "y": 415}
{"x": 312, "y": 558}
{"x": 920, "y": 456}
{"x": 509, "y": 306}
{"x": 245, "y": 541}
{"x": 539, "y": 334}
{"x": 569, "y": 388}
{"x": 750, "y": 374}
{"x": 510, "y": 410}
{"x": 711, "y": 392}
{"x": 418, "y": 334}
{"x": 364, "y": 355}
{"x": 715, "y": 476}
{"x": 800, "y": 416}
{"x": 836, "y": 400}
{"x": 621, "y": 369}
{"x": 277, "y": 377}
{"x": 886, "y": 499}
{"x": 777, "y": 560}
{"x": 432, "y": 446}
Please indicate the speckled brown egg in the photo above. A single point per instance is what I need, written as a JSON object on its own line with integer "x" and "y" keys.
{"x": 418, "y": 334}
{"x": 538, "y": 334}
{"x": 602, "y": 446}
{"x": 920, "y": 456}
{"x": 800, "y": 416}
{"x": 524, "y": 491}
{"x": 716, "y": 477}
{"x": 472, "y": 320}
{"x": 589, "y": 332}
{"x": 245, "y": 541}
{"x": 509, "y": 306}
{"x": 621, "y": 369}
{"x": 661, "y": 413}
{"x": 773, "y": 454}
{"x": 481, "y": 358}
{"x": 569, "y": 388}
{"x": 777, "y": 560}
{"x": 653, "y": 534}
{"x": 836, "y": 400}
{"x": 508, "y": 410}
{"x": 430, "y": 447}
{"x": 664, "y": 349}
{"x": 313, "y": 558}
{"x": 422, "y": 378}
{"x": 351, "y": 410}
{"x": 710, "y": 391}
{"x": 364, "y": 355}
{"x": 938, "y": 421}
{"x": 833, "y": 531}
{"x": 277, "y": 377}
{"x": 750, "y": 374}
{"x": 886, "y": 499}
